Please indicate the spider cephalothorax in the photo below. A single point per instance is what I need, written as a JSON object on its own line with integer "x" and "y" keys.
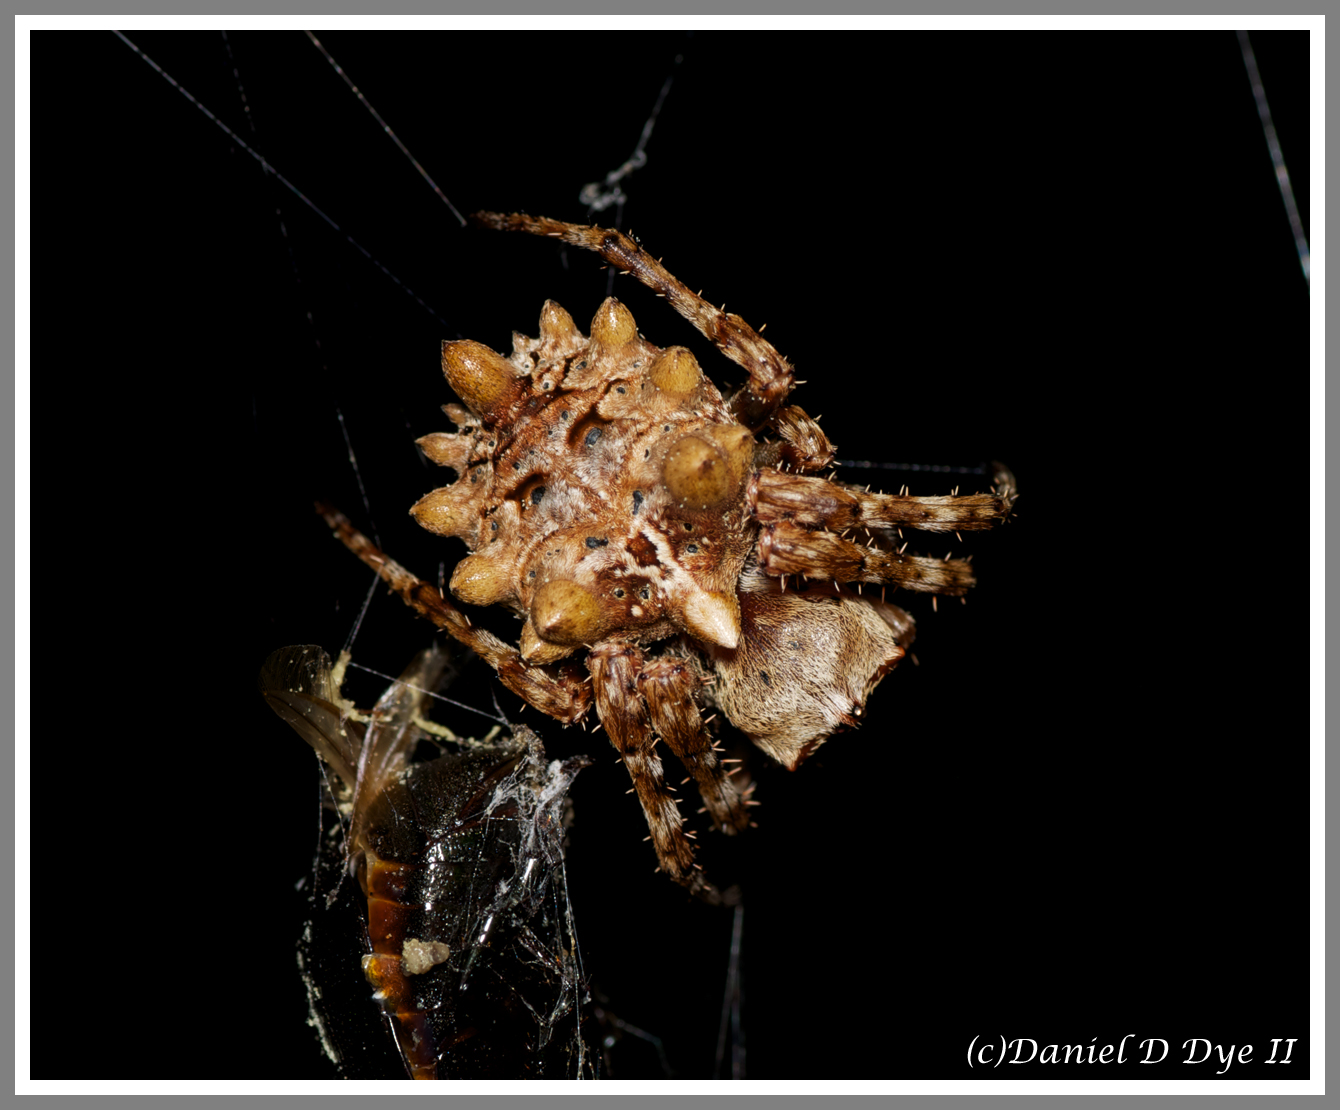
{"x": 613, "y": 499}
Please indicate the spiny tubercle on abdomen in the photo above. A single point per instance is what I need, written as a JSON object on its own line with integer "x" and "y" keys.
{"x": 599, "y": 486}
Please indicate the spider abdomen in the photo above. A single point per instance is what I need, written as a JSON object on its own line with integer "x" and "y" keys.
{"x": 806, "y": 664}
{"x": 599, "y": 487}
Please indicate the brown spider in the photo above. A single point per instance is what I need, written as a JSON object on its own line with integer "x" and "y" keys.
{"x": 679, "y": 545}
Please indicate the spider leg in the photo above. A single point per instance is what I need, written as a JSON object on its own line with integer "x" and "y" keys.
{"x": 802, "y": 517}
{"x": 668, "y": 686}
{"x": 804, "y": 445}
{"x": 559, "y": 691}
{"x": 615, "y": 669}
{"x": 771, "y": 377}
{"x": 785, "y": 549}
{"x": 774, "y": 496}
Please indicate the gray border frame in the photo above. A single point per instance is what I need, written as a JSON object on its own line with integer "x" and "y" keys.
{"x": 1194, "y": 8}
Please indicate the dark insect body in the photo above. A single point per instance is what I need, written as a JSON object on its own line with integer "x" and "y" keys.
{"x": 464, "y": 931}
{"x": 669, "y": 550}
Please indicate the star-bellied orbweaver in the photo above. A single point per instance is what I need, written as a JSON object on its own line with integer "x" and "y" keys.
{"x": 669, "y": 550}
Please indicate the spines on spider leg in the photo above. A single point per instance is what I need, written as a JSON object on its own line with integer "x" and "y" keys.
{"x": 774, "y": 496}
{"x": 614, "y": 672}
{"x": 804, "y": 445}
{"x": 559, "y": 691}
{"x": 785, "y": 548}
{"x": 972, "y": 513}
{"x": 770, "y": 375}
{"x": 424, "y": 599}
{"x": 668, "y": 686}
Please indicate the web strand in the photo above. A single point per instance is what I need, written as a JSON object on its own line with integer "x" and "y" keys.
{"x": 926, "y": 468}
{"x": 386, "y": 127}
{"x": 270, "y": 169}
{"x": 1276, "y": 156}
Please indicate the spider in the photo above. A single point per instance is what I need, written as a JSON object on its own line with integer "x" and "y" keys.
{"x": 669, "y": 550}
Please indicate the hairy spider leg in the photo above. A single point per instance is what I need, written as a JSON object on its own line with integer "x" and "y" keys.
{"x": 560, "y": 691}
{"x": 771, "y": 377}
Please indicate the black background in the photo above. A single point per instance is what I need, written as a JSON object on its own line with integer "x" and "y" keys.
{"x": 1084, "y": 813}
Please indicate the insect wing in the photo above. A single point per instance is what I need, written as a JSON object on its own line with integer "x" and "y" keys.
{"x": 296, "y": 682}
